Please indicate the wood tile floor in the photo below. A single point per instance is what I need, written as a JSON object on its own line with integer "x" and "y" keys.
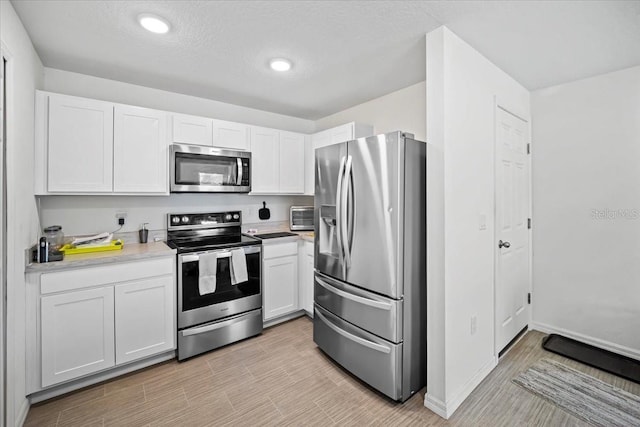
{"x": 281, "y": 378}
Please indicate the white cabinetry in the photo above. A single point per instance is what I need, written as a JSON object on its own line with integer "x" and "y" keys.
{"x": 277, "y": 161}
{"x": 335, "y": 135}
{"x": 144, "y": 318}
{"x": 305, "y": 281}
{"x": 211, "y": 132}
{"x": 140, "y": 150}
{"x": 84, "y": 146}
{"x": 77, "y": 334}
{"x": 280, "y": 278}
{"x": 80, "y": 145}
{"x": 291, "y": 162}
{"x": 265, "y": 158}
{"x": 95, "y": 318}
{"x": 230, "y": 135}
{"x": 192, "y": 130}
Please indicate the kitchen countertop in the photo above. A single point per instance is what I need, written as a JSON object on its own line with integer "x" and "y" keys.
{"x": 276, "y": 226}
{"x": 130, "y": 252}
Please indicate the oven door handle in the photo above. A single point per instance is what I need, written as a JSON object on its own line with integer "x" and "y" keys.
{"x": 220, "y": 254}
{"x": 218, "y": 325}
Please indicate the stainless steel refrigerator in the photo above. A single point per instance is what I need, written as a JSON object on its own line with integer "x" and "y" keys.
{"x": 370, "y": 260}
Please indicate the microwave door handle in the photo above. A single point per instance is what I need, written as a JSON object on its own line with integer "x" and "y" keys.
{"x": 239, "y": 163}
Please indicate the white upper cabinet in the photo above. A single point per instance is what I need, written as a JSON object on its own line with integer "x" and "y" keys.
{"x": 265, "y": 159}
{"x": 277, "y": 159}
{"x": 140, "y": 150}
{"x": 292, "y": 149}
{"x": 335, "y": 135}
{"x": 192, "y": 130}
{"x": 230, "y": 135}
{"x": 80, "y": 145}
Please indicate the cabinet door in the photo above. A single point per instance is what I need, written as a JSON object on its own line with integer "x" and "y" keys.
{"x": 80, "y": 145}
{"x": 265, "y": 159}
{"x": 77, "y": 334}
{"x": 307, "y": 281}
{"x": 291, "y": 162}
{"x": 192, "y": 130}
{"x": 280, "y": 277}
{"x": 230, "y": 135}
{"x": 309, "y": 167}
{"x": 144, "y": 318}
{"x": 140, "y": 150}
{"x": 342, "y": 133}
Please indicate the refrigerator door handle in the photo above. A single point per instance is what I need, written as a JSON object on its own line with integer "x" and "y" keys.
{"x": 355, "y": 298}
{"x": 339, "y": 208}
{"x": 370, "y": 344}
{"x": 344, "y": 193}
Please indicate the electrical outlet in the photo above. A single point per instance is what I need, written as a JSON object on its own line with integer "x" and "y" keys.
{"x": 474, "y": 325}
{"x": 482, "y": 222}
{"x": 121, "y": 216}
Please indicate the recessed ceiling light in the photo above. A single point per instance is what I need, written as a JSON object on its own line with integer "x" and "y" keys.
{"x": 280, "y": 64}
{"x": 153, "y": 23}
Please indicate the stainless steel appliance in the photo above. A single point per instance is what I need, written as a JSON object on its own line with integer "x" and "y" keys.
{"x": 232, "y": 311}
{"x": 370, "y": 274}
{"x": 301, "y": 218}
{"x": 197, "y": 169}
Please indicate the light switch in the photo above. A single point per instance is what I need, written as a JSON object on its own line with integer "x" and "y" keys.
{"x": 482, "y": 222}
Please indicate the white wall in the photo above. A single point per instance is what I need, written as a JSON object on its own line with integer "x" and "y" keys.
{"x": 24, "y": 76}
{"x": 111, "y": 90}
{"x": 400, "y": 110}
{"x": 586, "y": 192}
{"x": 94, "y": 214}
{"x": 461, "y": 91}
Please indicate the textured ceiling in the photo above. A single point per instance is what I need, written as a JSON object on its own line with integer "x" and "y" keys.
{"x": 344, "y": 52}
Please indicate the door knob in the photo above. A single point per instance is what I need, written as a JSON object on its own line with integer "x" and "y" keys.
{"x": 502, "y": 244}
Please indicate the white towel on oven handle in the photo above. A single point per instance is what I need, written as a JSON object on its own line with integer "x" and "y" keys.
{"x": 238, "y": 267}
{"x": 207, "y": 269}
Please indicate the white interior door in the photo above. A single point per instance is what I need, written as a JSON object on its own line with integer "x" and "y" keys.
{"x": 512, "y": 233}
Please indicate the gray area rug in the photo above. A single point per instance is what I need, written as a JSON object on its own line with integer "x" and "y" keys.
{"x": 587, "y": 398}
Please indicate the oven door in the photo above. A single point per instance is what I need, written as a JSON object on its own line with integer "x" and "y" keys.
{"x": 228, "y": 299}
{"x": 207, "y": 169}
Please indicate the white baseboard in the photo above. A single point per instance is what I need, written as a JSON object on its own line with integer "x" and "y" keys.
{"x": 21, "y": 415}
{"x": 282, "y": 319}
{"x": 596, "y": 342}
{"x": 445, "y": 410}
{"x": 435, "y": 405}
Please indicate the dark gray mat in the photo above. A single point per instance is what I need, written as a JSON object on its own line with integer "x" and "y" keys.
{"x": 584, "y": 396}
{"x": 614, "y": 363}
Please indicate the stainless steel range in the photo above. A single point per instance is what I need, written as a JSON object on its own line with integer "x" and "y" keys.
{"x": 219, "y": 281}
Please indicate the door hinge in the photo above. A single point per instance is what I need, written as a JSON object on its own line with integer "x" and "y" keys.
{"x": 529, "y": 223}
{"x": 529, "y": 297}
{"x": 529, "y": 148}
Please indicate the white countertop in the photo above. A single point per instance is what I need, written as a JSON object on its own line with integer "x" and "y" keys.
{"x": 130, "y": 252}
{"x": 273, "y": 227}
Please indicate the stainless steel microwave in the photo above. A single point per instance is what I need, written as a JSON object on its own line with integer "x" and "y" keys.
{"x": 201, "y": 169}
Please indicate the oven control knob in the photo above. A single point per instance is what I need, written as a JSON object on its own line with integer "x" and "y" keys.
{"x": 185, "y": 219}
{"x": 175, "y": 220}
{"x": 227, "y": 217}
{"x": 236, "y": 216}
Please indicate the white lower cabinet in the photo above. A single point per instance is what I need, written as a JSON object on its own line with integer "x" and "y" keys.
{"x": 280, "y": 279}
{"x": 144, "y": 318}
{"x": 95, "y": 318}
{"x": 77, "y": 334}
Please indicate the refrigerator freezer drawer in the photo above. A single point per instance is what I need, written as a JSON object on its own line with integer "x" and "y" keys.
{"x": 374, "y": 313}
{"x": 372, "y": 359}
